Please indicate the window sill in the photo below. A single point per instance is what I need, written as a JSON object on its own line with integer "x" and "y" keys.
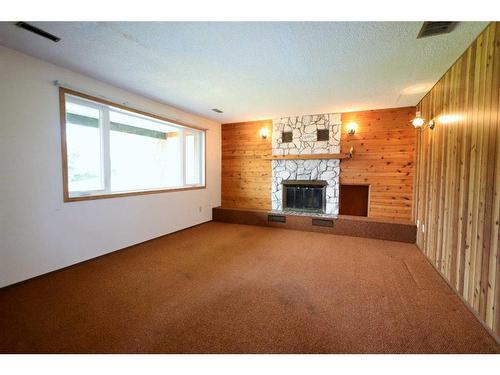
{"x": 129, "y": 194}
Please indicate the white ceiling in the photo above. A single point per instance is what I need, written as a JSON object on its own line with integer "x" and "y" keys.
{"x": 254, "y": 70}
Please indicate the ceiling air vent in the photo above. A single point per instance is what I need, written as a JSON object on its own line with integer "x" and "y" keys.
{"x": 36, "y": 30}
{"x": 432, "y": 28}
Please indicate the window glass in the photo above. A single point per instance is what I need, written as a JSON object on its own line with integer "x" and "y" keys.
{"x": 110, "y": 150}
{"x": 83, "y": 143}
{"x": 144, "y": 154}
{"x": 193, "y": 159}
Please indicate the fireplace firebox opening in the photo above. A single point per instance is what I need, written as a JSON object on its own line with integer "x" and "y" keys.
{"x": 304, "y": 195}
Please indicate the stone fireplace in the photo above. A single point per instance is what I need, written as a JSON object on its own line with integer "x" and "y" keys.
{"x": 306, "y": 135}
{"x": 307, "y": 170}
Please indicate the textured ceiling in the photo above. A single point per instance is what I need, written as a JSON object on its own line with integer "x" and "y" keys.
{"x": 254, "y": 70}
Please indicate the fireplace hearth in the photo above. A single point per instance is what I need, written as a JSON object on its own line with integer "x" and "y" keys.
{"x": 304, "y": 195}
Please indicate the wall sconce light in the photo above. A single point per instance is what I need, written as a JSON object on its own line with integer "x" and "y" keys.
{"x": 351, "y": 128}
{"x": 264, "y": 133}
{"x": 418, "y": 121}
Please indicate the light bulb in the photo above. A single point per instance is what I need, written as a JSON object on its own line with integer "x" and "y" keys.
{"x": 351, "y": 128}
{"x": 263, "y": 133}
{"x": 418, "y": 122}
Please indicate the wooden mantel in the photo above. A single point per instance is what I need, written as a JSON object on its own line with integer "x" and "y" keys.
{"x": 309, "y": 156}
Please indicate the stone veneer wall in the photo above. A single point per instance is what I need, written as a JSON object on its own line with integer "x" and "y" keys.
{"x": 321, "y": 169}
{"x": 304, "y": 129}
{"x": 304, "y": 134}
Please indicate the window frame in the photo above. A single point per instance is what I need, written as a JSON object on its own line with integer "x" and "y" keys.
{"x": 63, "y": 91}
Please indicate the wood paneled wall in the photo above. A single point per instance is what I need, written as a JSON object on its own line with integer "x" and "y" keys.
{"x": 384, "y": 152}
{"x": 384, "y": 158}
{"x": 458, "y": 177}
{"x": 246, "y": 176}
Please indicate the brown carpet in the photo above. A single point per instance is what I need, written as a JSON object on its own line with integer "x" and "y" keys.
{"x": 226, "y": 288}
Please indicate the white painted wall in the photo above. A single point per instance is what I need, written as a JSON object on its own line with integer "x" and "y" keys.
{"x": 38, "y": 231}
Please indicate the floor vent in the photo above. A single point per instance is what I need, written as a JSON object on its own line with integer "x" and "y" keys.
{"x": 432, "y": 28}
{"x": 276, "y": 219}
{"x": 322, "y": 222}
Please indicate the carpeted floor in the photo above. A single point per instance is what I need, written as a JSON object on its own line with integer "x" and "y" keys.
{"x": 226, "y": 288}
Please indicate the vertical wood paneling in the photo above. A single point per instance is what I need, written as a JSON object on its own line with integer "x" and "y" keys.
{"x": 246, "y": 176}
{"x": 458, "y": 176}
{"x": 384, "y": 146}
